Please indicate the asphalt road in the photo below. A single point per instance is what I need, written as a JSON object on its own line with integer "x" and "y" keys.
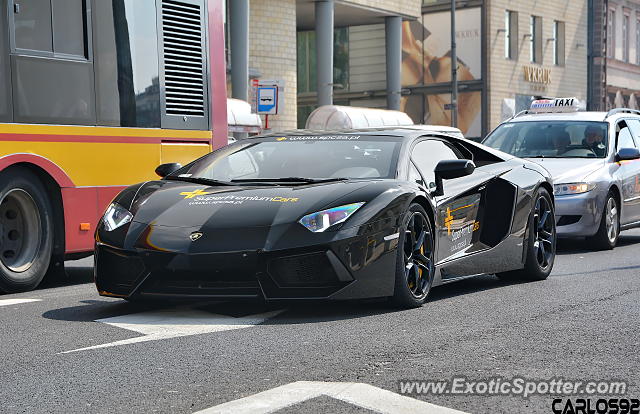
{"x": 582, "y": 323}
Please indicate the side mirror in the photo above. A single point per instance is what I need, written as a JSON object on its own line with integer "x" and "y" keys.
{"x": 626, "y": 154}
{"x": 449, "y": 169}
{"x": 166, "y": 169}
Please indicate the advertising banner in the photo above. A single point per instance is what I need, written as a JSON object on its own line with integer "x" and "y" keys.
{"x": 426, "y": 61}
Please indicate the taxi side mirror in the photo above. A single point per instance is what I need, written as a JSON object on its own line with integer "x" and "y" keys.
{"x": 449, "y": 169}
{"x": 166, "y": 169}
{"x": 627, "y": 154}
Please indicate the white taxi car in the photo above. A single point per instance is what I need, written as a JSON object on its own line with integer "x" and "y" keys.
{"x": 593, "y": 158}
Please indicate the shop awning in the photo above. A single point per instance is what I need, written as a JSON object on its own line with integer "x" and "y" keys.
{"x": 240, "y": 118}
{"x": 333, "y": 117}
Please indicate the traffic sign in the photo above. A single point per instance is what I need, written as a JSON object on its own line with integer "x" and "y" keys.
{"x": 267, "y": 97}
{"x": 267, "y": 100}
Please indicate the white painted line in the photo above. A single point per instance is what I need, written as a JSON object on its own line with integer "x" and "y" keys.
{"x": 176, "y": 322}
{"x": 9, "y": 302}
{"x": 362, "y": 395}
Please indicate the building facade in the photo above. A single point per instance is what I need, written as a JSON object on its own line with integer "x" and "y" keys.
{"x": 622, "y": 46}
{"x": 508, "y": 53}
{"x": 327, "y": 51}
{"x": 397, "y": 54}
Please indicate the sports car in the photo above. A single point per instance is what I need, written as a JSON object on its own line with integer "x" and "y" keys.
{"x": 386, "y": 213}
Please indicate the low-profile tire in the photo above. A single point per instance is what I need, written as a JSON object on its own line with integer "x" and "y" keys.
{"x": 414, "y": 263}
{"x": 609, "y": 230}
{"x": 26, "y": 230}
{"x": 541, "y": 243}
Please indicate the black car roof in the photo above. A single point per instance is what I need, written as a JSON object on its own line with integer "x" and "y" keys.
{"x": 404, "y": 134}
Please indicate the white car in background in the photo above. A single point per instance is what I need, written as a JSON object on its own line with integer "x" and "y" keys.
{"x": 593, "y": 157}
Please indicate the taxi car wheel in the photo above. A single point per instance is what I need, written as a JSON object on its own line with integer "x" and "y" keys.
{"x": 607, "y": 236}
{"x": 26, "y": 231}
{"x": 541, "y": 245}
{"x": 414, "y": 264}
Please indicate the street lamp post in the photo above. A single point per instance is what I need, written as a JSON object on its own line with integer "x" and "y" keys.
{"x": 454, "y": 68}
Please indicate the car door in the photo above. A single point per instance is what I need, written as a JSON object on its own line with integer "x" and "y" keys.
{"x": 629, "y": 173}
{"x": 459, "y": 209}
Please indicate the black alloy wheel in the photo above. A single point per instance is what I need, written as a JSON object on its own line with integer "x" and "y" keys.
{"x": 415, "y": 264}
{"x": 544, "y": 229}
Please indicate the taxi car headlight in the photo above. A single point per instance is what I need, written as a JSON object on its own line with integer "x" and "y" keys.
{"x": 322, "y": 220}
{"x": 572, "y": 188}
{"x": 116, "y": 216}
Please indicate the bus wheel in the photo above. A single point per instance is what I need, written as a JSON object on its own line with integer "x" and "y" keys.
{"x": 26, "y": 230}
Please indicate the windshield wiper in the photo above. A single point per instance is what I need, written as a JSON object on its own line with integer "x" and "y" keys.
{"x": 198, "y": 180}
{"x": 289, "y": 180}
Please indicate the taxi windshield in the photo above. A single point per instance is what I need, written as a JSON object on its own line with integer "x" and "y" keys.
{"x": 553, "y": 139}
{"x": 299, "y": 157}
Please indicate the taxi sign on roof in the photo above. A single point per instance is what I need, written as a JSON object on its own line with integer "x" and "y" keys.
{"x": 555, "y": 105}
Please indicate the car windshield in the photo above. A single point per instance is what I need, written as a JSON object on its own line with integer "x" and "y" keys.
{"x": 553, "y": 139}
{"x": 293, "y": 158}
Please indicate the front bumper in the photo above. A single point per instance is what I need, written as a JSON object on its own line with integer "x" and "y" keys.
{"x": 579, "y": 215}
{"x": 351, "y": 268}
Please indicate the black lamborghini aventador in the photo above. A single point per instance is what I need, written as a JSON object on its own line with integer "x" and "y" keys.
{"x": 360, "y": 214}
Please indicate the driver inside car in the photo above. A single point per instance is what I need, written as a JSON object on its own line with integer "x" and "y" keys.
{"x": 594, "y": 140}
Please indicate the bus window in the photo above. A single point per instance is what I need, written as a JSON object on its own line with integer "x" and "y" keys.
{"x": 5, "y": 98}
{"x": 50, "y": 28}
{"x": 69, "y": 27}
{"x": 53, "y": 91}
{"x": 126, "y": 63}
{"x": 58, "y": 89}
{"x": 32, "y": 26}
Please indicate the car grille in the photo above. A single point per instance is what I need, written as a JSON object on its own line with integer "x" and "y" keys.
{"x": 201, "y": 283}
{"x": 306, "y": 270}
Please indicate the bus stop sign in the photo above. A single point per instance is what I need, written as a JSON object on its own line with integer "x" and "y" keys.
{"x": 267, "y": 97}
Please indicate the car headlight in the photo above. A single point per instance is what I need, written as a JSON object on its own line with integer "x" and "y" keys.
{"x": 116, "y": 216}
{"x": 572, "y": 188}
{"x": 322, "y": 220}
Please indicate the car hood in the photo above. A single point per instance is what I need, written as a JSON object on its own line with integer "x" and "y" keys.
{"x": 566, "y": 170}
{"x": 186, "y": 205}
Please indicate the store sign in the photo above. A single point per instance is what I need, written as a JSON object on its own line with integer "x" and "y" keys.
{"x": 534, "y": 74}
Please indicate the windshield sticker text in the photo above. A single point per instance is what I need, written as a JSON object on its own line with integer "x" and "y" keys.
{"x": 233, "y": 199}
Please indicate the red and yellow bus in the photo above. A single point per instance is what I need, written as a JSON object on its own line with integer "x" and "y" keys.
{"x": 94, "y": 95}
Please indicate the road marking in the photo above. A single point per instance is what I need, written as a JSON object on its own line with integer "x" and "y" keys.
{"x": 362, "y": 395}
{"x": 9, "y": 302}
{"x": 176, "y": 322}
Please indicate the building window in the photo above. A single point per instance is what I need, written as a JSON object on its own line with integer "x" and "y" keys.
{"x": 535, "y": 39}
{"x": 53, "y": 28}
{"x": 625, "y": 38}
{"x": 611, "y": 34}
{"x": 511, "y": 35}
{"x": 558, "y": 43}
{"x": 306, "y": 59}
